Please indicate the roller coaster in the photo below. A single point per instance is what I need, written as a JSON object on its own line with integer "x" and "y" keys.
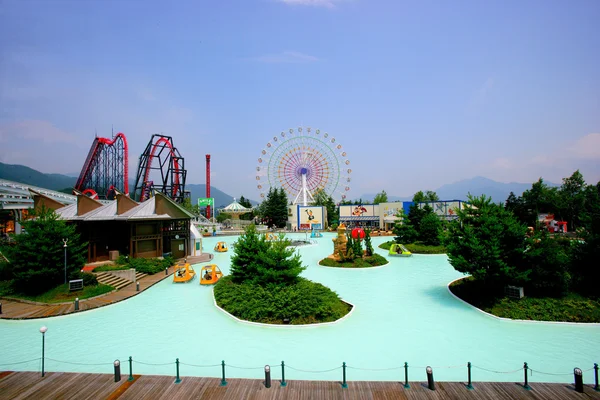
{"x": 105, "y": 169}
{"x": 161, "y": 156}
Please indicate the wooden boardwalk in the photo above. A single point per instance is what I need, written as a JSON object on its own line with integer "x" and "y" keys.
{"x": 60, "y": 385}
{"x": 13, "y": 309}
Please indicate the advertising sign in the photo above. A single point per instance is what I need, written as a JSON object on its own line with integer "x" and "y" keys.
{"x": 203, "y": 202}
{"x": 361, "y": 210}
{"x": 310, "y": 217}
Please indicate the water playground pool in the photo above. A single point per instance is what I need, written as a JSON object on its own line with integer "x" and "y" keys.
{"x": 403, "y": 312}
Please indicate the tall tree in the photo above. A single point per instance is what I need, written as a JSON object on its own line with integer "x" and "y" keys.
{"x": 246, "y": 203}
{"x": 380, "y": 197}
{"x": 487, "y": 242}
{"x": 573, "y": 196}
{"x": 325, "y": 200}
{"x": 428, "y": 196}
{"x": 37, "y": 259}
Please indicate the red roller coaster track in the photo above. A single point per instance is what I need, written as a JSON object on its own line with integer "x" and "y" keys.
{"x": 166, "y": 142}
{"x": 95, "y": 178}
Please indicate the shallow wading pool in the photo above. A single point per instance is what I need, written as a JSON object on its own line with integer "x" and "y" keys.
{"x": 404, "y": 313}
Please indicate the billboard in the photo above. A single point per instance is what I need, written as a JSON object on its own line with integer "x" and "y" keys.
{"x": 203, "y": 202}
{"x": 310, "y": 217}
{"x": 361, "y": 210}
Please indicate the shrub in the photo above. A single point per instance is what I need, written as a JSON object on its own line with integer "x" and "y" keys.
{"x": 149, "y": 266}
{"x": 304, "y": 302}
{"x": 366, "y": 262}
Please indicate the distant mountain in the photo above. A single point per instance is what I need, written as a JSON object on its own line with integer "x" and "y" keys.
{"x": 476, "y": 186}
{"x": 29, "y": 176}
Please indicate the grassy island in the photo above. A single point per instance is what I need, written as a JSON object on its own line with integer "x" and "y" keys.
{"x": 265, "y": 286}
{"x": 374, "y": 260}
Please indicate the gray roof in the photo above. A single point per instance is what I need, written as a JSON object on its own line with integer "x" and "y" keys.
{"x": 15, "y": 195}
{"x": 108, "y": 211}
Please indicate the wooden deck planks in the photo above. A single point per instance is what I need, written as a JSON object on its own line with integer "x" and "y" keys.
{"x": 58, "y": 385}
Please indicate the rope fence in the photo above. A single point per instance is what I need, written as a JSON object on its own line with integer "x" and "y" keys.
{"x": 525, "y": 369}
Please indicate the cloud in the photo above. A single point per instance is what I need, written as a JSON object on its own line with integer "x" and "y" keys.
{"x": 586, "y": 148}
{"x": 289, "y": 57}
{"x": 314, "y": 3}
{"x": 43, "y": 131}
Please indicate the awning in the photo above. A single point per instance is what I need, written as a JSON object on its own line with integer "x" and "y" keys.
{"x": 355, "y": 218}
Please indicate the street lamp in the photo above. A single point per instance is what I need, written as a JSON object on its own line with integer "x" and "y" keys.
{"x": 43, "y": 330}
{"x": 65, "y": 247}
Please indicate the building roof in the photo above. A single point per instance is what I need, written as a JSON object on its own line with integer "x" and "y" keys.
{"x": 235, "y": 208}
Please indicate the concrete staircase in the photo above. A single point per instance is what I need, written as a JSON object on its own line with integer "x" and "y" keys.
{"x": 118, "y": 283}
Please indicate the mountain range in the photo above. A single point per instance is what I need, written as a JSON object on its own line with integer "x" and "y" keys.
{"x": 64, "y": 183}
{"x": 498, "y": 191}
{"x": 476, "y": 186}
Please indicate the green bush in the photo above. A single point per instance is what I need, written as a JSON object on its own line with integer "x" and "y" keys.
{"x": 416, "y": 248}
{"x": 149, "y": 266}
{"x": 366, "y": 262}
{"x": 104, "y": 268}
{"x": 303, "y": 302}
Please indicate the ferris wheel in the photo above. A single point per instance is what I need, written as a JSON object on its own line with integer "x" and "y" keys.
{"x": 301, "y": 162}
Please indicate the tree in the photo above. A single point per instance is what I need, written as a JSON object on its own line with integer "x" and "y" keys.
{"x": 487, "y": 242}
{"x": 572, "y": 195}
{"x": 37, "y": 258}
{"x": 258, "y": 261}
{"x": 276, "y": 208}
{"x": 246, "y": 203}
{"x": 187, "y": 204}
{"x": 430, "y": 229}
{"x": 380, "y": 197}
{"x": 221, "y": 217}
{"x": 516, "y": 205}
{"x": 368, "y": 244}
{"x": 404, "y": 230}
{"x": 539, "y": 199}
{"x": 429, "y": 196}
{"x": 325, "y": 200}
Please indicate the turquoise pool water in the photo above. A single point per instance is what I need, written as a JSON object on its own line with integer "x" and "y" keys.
{"x": 403, "y": 313}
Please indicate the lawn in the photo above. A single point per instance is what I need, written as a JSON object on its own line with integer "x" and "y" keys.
{"x": 61, "y": 294}
{"x": 570, "y": 308}
{"x": 416, "y": 248}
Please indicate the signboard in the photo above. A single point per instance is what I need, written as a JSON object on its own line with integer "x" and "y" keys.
{"x": 310, "y": 217}
{"x": 204, "y": 202}
{"x": 361, "y": 210}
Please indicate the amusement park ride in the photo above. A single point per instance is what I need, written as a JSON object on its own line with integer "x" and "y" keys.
{"x": 303, "y": 161}
{"x": 106, "y": 169}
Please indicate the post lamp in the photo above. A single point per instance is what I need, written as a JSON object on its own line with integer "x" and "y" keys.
{"x": 65, "y": 247}
{"x": 43, "y": 330}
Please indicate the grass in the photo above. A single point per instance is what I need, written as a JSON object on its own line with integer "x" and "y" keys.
{"x": 61, "y": 294}
{"x": 571, "y": 308}
{"x": 367, "y": 262}
{"x": 416, "y": 248}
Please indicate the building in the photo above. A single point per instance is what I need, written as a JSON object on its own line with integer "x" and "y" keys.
{"x": 124, "y": 226}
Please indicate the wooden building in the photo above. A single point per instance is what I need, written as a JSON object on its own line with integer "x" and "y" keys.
{"x": 149, "y": 229}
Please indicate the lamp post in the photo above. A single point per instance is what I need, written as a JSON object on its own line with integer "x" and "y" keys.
{"x": 65, "y": 247}
{"x": 43, "y": 330}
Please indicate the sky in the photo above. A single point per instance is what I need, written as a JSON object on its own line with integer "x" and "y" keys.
{"x": 419, "y": 93}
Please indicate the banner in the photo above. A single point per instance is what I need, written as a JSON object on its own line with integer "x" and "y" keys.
{"x": 310, "y": 217}
{"x": 203, "y": 202}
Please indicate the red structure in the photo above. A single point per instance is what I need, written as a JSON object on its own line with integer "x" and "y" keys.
{"x": 208, "y": 184}
{"x": 161, "y": 156}
{"x": 106, "y": 168}
{"x": 358, "y": 233}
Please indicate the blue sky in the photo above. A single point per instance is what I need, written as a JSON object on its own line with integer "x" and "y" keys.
{"x": 429, "y": 91}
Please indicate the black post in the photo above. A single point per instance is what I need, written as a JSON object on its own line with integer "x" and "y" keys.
{"x": 43, "y": 330}
{"x": 167, "y": 271}
{"x": 130, "y": 369}
{"x": 267, "y": 376}
{"x": 117, "y": 365}
{"x": 526, "y": 385}
{"x": 596, "y": 387}
{"x": 578, "y": 380}
{"x": 284, "y": 383}
{"x": 137, "y": 286}
{"x": 223, "y": 381}
{"x": 0, "y": 308}
{"x": 406, "y": 385}
{"x": 469, "y": 385}
{"x": 77, "y": 304}
{"x": 430, "y": 382}
{"x": 344, "y": 384}
{"x": 177, "y": 380}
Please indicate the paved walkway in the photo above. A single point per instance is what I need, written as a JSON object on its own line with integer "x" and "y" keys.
{"x": 20, "y": 309}
{"x": 61, "y": 385}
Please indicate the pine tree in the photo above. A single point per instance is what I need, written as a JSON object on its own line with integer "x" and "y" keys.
{"x": 368, "y": 244}
{"x": 245, "y": 260}
{"x": 37, "y": 259}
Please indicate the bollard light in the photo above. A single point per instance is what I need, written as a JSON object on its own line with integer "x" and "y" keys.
{"x": 167, "y": 271}
{"x": 578, "y": 380}
{"x": 0, "y": 308}
{"x": 430, "y": 382}
{"x": 77, "y": 304}
{"x": 117, "y": 365}
{"x": 267, "y": 376}
{"x": 43, "y": 330}
{"x": 137, "y": 286}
